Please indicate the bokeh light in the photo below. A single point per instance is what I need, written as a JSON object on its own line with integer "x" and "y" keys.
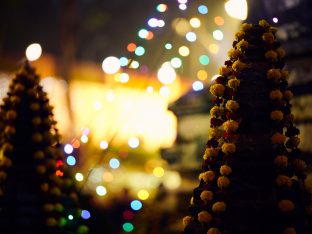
{"x": 204, "y": 59}
{"x": 217, "y": 34}
{"x": 123, "y": 61}
{"x": 202, "y": 75}
{"x": 33, "y": 51}
{"x": 166, "y": 73}
{"x": 124, "y": 77}
{"x": 197, "y": 85}
{"x": 191, "y": 36}
{"x": 219, "y": 20}
{"x": 213, "y": 48}
{"x": 79, "y": 176}
{"x": 85, "y": 214}
{"x": 103, "y": 144}
{"x": 237, "y": 9}
{"x": 134, "y": 142}
{"x": 128, "y": 227}
{"x": 152, "y": 22}
{"x": 184, "y": 51}
{"x": 68, "y": 148}
{"x": 150, "y": 35}
{"x": 275, "y": 20}
{"x": 143, "y": 194}
{"x": 84, "y": 138}
{"x": 195, "y": 22}
{"x": 149, "y": 89}
{"x": 182, "y": 7}
{"x": 136, "y": 205}
{"x": 111, "y": 65}
{"x": 114, "y": 163}
{"x": 108, "y": 177}
{"x": 143, "y": 33}
{"x": 128, "y": 215}
{"x": 70, "y": 217}
{"x": 134, "y": 64}
{"x": 168, "y": 46}
{"x": 71, "y": 160}
{"x": 202, "y": 9}
{"x": 161, "y": 23}
{"x": 164, "y": 91}
{"x": 161, "y": 7}
{"x": 101, "y": 190}
{"x": 139, "y": 51}
{"x": 182, "y": 1}
{"x": 131, "y": 47}
{"x": 176, "y": 62}
{"x": 158, "y": 172}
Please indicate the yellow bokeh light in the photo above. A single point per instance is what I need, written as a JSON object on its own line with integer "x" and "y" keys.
{"x": 79, "y": 176}
{"x": 108, "y": 177}
{"x": 181, "y": 26}
{"x": 143, "y": 194}
{"x": 214, "y": 48}
{"x": 195, "y": 22}
{"x": 202, "y": 75}
{"x": 158, "y": 172}
{"x": 184, "y": 51}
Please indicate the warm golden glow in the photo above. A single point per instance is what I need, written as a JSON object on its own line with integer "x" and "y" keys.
{"x": 237, "y": 9}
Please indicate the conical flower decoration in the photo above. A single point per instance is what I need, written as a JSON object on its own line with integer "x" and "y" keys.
{"x": 253, "y": 172}
{"x": 37, "y": 195}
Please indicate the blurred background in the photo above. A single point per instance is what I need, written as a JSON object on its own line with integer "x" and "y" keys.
{"x": 129, "y": 80}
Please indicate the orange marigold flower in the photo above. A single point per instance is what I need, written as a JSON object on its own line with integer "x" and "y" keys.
{"x": 223, "y": 182}
{"x": 277, "y": 115}
{"x": 213, "y": 231}
{"x": 289, "y": 230}
{"x": 245, "y": 26}
{"x": 272, "y": 55}
{"x": 281, "y": 161}
{"x": 207, "y": 176}
{"x": 281, "y": 52}
{"x": 228, "y": 148}
{"x": 274, "y": 74}
{"x": 278, "y": 138}
{"x": 288, "y": 95}
{"x": 242, "y": 45}
{"x": 219, "y": 207}
{"x": 282, "y": 180}
{"x": 264, "y": 24}
{"x": 238, "y": 66}
{"x": 239, "y": 35}
{"x": 286, "y": 205}
{"x": 215, "y": 132}
{"x": 299, "y": 164}
{"x": 284, "y": 74}
{"x": 204, "y": 217}
{"x": 233, "y": 53}
{"x": 276, "y": 95}
{"x": 225, "y": 71}
{"x": 211, "y": 152}
{"x": 232, "y": 105}
{"x": 217, "y": 89}
{"x": 206, "y": 195}
{"x": 225, "y": 170}
{"x": 233, "y": 83}
{"x": 187, "y": 220}
{"x": 230, "y": 126}
{"x": 268, "y": 37}
{"x": 216, "y": 111}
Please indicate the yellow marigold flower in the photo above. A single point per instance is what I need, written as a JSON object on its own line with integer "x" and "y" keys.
{"x": 223, "y": 182}
{"x": 204, "y": 217}
{"x": 219, "y": 207}
{"x": 207, "y": 176}
{"x": 211, "y": 152}
{"x": 215, "y": 132}
{"x": 233, "y": 53}
{"x": 206, "y": 195}
{"x": 264, "y": 24}
{"x": 273, "y": 30}
{"x": 213, "y": 231}
{"x": 274, "y": 74}
{"x": 217, "y": 89}
{"x": 233, "y": 83}
{"x": 282, "y": 180}
{"x": 224, "y": 71}
{"x": 230, "y": 126}
{"x": 239, "y": 35}
{"x": 268, "y": 37}
{"x": 284, "y": 74}
{"x": 281, "y": 52}
{"x": 232, "y": 105}
{"x": 272, "y": 55}
{"x": 276, "y": 95}
{"x": 225, "y": 170}
{"x": 216, "y": 111}
{"x": 239, "y": 66}
{"x": 278, "y": 138}
{"x": 245, "y": 26}
{"x": 290, "y": 230}
{"x": 281, "y": 161}
{"x": 228, "y": 148}
{"x": 242, "y": 45}
{"x": 277, "y": 115}
{"x": 299, "y": 164}
{"x": 286, "y": 205}
{"x": 288, "y": 95}
{"x": 187, "y": 220}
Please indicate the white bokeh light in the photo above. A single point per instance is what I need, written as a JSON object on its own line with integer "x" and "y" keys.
{"x": 166, "y": 73}
{"x": 33, "y": 52}
{"x": 111, "y": 65}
